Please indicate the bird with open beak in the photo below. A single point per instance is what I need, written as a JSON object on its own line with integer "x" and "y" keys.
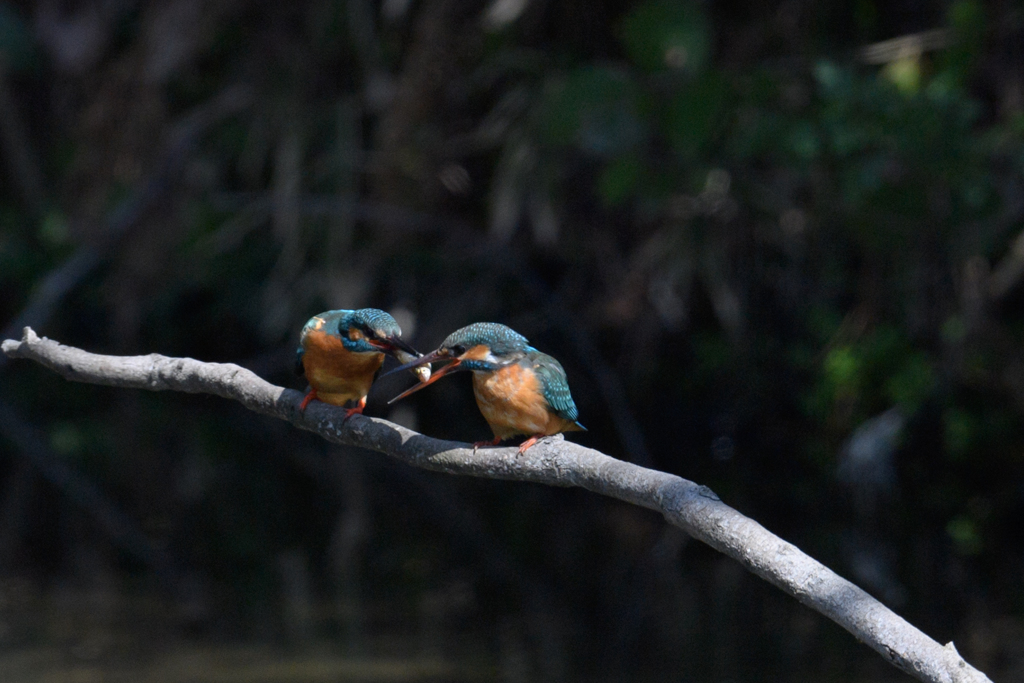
{"x": 519, "y": 390}
{"x": 341, "y": 351}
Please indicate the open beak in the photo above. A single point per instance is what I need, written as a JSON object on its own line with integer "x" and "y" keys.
{"x": 432, "y": 357}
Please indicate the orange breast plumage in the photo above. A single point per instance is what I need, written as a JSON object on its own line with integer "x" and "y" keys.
{"x": 337, "y": 374}
{"x": 512, "y": 401}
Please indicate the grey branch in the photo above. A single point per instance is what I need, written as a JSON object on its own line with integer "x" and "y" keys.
{"x": 693, "y": 508}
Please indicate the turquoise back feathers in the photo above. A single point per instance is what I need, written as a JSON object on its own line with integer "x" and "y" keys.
{"x": 555, "y": 385}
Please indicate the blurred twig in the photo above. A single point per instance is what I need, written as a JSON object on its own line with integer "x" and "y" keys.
{"x": 1009, "y": 272}
{"x": 910, "y": 45}
{"x": 120, "y": 528}
{"x": 405, "y": 166}
{"x": 319, "y": 205}
{"x": 348, "y": 547}
{"x": 445, "y": 507}
{"x": 52, "y": 289}
{"x": 13, "y": 497}
{"x": 56, "y": 284}
{"x": 464, "y": 525}
{"x": 442, "y": 503}
{"x": 23, "y": 167}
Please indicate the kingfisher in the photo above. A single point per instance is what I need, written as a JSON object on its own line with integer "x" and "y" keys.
{"x": 519, "y": 390}
{"x": 341, "y": 351}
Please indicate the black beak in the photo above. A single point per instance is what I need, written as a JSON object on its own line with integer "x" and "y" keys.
{"x": 419, "y": 360}
{"x": 392, "y": 345}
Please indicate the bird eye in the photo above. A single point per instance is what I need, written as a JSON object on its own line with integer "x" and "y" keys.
{"x": 457, "y": 350}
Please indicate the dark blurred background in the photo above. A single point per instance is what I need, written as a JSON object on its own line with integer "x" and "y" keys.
{"x": 777, "y": 246}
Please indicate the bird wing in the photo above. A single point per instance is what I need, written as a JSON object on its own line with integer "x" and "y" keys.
{"x": 299, "y": 353}
{"x": 554, "y": 384}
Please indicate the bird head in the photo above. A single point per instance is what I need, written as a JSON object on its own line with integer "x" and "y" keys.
{"x": 367, "y": 330}
{"x": 480, "y": 347}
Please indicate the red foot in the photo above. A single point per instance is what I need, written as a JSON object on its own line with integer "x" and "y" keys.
{"x": 358, "y": 410}
{"x": 529, "y": 442}
{"x": 479, "y": 444}
{"x": 305, "y": 402}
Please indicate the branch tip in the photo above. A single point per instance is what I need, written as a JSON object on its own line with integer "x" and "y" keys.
{"x": 12, "y": 347}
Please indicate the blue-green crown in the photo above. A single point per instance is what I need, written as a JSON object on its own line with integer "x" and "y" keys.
{"x": 381, "y": 323}
{"x": 372, "y": 322}
{"x": 500, "y": 339}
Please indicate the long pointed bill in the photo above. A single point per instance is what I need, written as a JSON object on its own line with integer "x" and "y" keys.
{"x": 418, "y": 361}
{"x": 396, "y": 347}
{"x": 447, "y": 369}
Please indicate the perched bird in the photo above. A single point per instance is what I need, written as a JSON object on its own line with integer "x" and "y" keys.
{"x": 340, "y": 353}
{"x": 519, "y": 389}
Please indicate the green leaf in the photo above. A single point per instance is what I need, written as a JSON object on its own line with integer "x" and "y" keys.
{"x": 960, "y": 431}
{"x": 66, "y": 438}
{"x": 804, "y": 141}
{"x": 664, "y": 35}
{"x": 966, "y": 19}
{"x": 904, "y": 73}
{"x": 697, "y": 114}
{"x": 843, "y": 370}
{"x": 53, "y": 229}
{"x": 835, "y": 82}
{"x": 913, "y": 383}
{"x": 619, "y": 179}
{"x": 965, "y": 535}
{"x": 596, "y": 108}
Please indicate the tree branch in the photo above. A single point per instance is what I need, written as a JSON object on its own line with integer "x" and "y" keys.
{"x": 695, "y": 509}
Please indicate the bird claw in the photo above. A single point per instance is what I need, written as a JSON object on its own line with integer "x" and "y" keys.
{"x": 478, "y": 444}
{"x": 524, "y": 446}
{"x": 358, "y": 410}
{"x": 305, "y": 401}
